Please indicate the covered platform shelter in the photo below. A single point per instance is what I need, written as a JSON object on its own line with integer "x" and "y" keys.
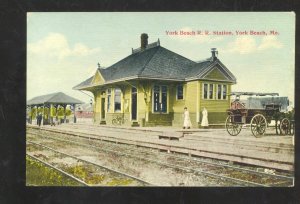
{"x": 52, "y": 101}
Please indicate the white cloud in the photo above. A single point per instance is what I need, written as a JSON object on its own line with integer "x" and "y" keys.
{"x": 269, "y": 41}
{"x": 243, "y": 45}
{"x": 248, "y": 44}
{"x": 195, "y": 38}
{"x": 56, "y": 44}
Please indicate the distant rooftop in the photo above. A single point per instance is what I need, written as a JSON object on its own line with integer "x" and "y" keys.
{"x": 54, "y": 98}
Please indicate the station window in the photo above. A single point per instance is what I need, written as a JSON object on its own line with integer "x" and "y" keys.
{"x": 211, "y": 91}
{"x": 208, "y": 90}
{"x": 219, "y": 91}
{"x": 205, "y": 90}
{"x": 224, "y": 91}
{"x": 108, "y": 99}
{"x": 117, "y": 99}
{"x": 160, "y": 98}
{"x": 179, "y": 92}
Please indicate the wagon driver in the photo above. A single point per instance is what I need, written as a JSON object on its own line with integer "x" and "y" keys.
{"x": 186, "y": 119}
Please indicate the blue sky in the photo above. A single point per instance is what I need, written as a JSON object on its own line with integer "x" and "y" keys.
{"x": 63, "y": 49}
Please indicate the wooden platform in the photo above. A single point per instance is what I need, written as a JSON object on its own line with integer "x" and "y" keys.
{"x": 270, "y": 151}
{"x": 170, "y": 135}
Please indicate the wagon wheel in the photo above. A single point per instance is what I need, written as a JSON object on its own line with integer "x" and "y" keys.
{"x": 285, "y": 126}
{"x": 119, "y": 121}
{"x": 258, "y": 125}
{"x": 232, "y": 128}
{"x": 292, "y": 128}
{"x": 114, "y": 121}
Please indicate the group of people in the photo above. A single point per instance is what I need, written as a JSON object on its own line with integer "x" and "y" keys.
{"x": 187, "y": 121}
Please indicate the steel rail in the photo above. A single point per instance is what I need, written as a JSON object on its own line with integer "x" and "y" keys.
{"x": 89, "y": 162}
{"x": 188, "y": 159}
{"x": 59, "y": 170}
{"x": 201, "y": 161}
{"x": 96, "y": 137}
{"x": 177, "y": 166}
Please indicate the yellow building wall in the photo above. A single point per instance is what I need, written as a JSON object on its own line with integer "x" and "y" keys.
{"x": 192, "y": 99}
{"x": 190, "y": 95}
{"x": 177, "y": 105}
{"x": 97, "y": 106}
{"x": 216, "y": 108}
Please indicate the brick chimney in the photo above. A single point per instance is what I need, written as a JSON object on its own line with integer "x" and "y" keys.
{"x": 144, "y": 41}
{"x": 214, "y": 53}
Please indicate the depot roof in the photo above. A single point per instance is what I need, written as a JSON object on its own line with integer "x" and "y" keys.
{"x": 156, "y": 62}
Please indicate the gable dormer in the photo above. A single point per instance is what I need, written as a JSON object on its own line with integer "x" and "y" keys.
{"x": 98, "y": 78}
{"x": 217, "y": 74}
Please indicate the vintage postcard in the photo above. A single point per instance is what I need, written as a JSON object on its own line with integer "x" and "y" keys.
{"x": 160, "y": 99}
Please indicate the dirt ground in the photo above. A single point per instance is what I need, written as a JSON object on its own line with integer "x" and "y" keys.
{"x": 153, "y": 173}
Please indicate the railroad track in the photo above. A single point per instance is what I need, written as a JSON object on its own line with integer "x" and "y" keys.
{"x": 242, "y": 156}
{"x": 57, "y": 169}
{"x": 222, "y": 171}
{"x": 112, "y": 172}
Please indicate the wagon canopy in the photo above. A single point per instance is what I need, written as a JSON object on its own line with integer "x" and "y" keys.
{"x": 262, "y": 102}
{"x": 252, "y": 94}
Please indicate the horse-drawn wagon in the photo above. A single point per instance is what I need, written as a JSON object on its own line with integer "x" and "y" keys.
{"x": 258, "y": 111}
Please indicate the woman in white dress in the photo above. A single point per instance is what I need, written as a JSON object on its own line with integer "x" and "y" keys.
{"x": 186, "y": 119}
{"x": 204, "y": 122}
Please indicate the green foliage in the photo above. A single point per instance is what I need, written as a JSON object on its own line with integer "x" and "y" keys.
{"x": 84, "y": 174}
{"x": 119, "y": 182}
{"x": 45, "y": 111}
{"x": 291, "y": 114}
{"x": 41, "y": 175}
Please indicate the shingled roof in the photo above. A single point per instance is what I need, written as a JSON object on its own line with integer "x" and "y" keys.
{"x": 54, "y": 98}
{"x": 154, "y": 62}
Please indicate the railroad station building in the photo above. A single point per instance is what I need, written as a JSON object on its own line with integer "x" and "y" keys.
{"x": 152, "y": 85}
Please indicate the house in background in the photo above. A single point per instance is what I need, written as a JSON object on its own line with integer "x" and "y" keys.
{"x": 84, "y": 113}
{"x": 152, "y": 85}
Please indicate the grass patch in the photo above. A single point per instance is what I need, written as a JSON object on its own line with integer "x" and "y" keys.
{"x": 38, "y": 174}
{"x": 85, "y": 174}
{"x": 119, "y": 182}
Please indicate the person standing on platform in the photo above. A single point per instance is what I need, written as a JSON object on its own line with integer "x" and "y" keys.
{"x": 204, "y": 122}
{"x": 186, "y": 119}
{"x": 39, "y": 119}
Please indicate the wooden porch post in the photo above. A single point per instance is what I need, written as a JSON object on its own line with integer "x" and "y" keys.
{"x": 56, "y": 112}
{"x": 30, "y": 118}
{"x": 74, "y": 112}
{"x": 43, "y": 118}
{"x": 65, "y": 117}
